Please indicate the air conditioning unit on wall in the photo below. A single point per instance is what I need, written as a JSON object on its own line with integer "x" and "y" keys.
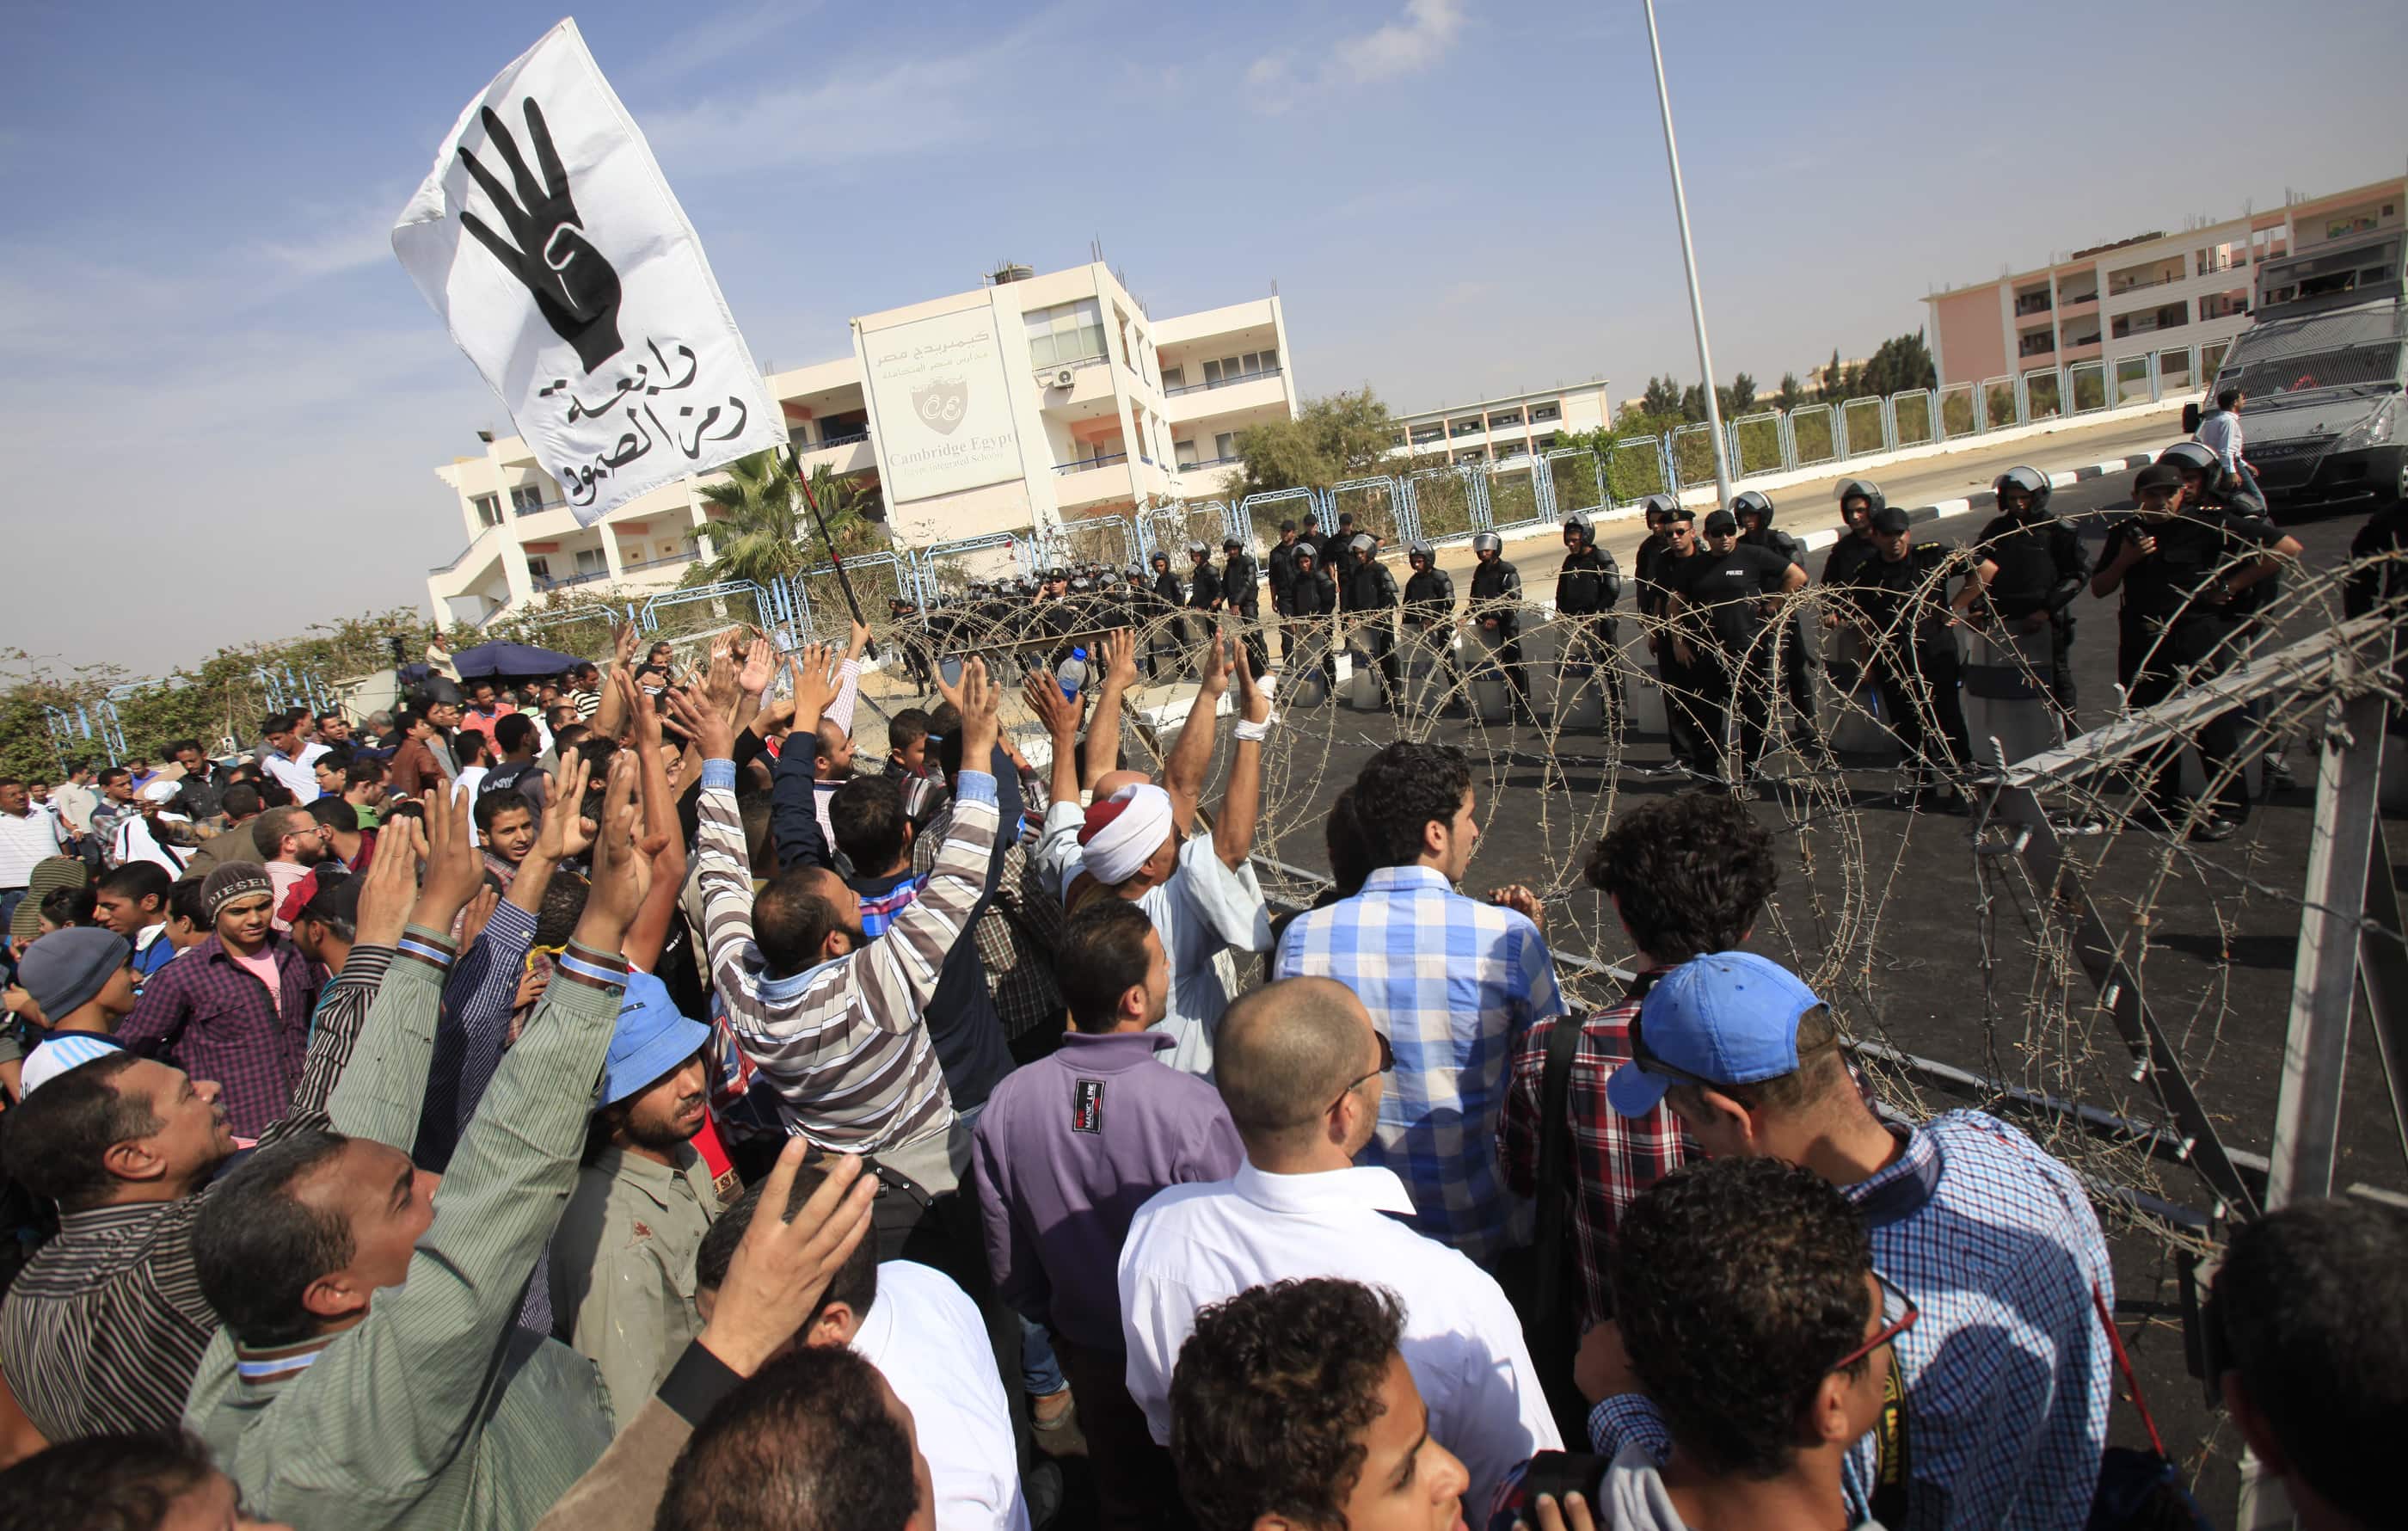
{"x": 1065, "y": 378}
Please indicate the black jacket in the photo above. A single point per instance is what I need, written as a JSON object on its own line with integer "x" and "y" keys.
{"x": 1238, "y": 586}
{"x": 1313, "y": 594}
{"x": 1203, "y": 587}
{"x": 1589, "y": 584}
{"x": 1496, "y": 593}
{"x": 1429, "y": 597}
{"x": 1651, "y": 590}
{"x": 1280, "y": 566}
{"x": 1167, "y": 589}
{"x": 2041, "y": 567}
{"x": 1370, "y": 587}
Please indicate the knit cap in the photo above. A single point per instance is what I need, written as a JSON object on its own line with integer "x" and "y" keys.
{"x": 232, "y": 880}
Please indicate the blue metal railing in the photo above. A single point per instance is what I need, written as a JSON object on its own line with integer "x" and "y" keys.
{"x": 853, "y": 439}
{"x": 546, "y": 583}
{"x": 1085, "y": 463}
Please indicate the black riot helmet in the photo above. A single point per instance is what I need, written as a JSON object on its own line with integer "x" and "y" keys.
{"x": 1230, "y": 544}
{"x": 1486, "y": 542}
{"x": 1162, "y": 559}
{"x": 1577, "y": 523}
{"x": 1363, "y": 546}
{"x": 1749, "y": 502}
{"x": 1658, "y": 507}
{"x": 1422, "y": 550}
{"x": 2023, "y": 481}
{"x": 2200, "y": 463}
{"x": 1197, "y": 550}
{"x": 1861, "y": 489}
{"x": 1304, "y": 554}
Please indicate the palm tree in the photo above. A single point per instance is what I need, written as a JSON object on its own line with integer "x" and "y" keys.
{"x": 760, "y": 529}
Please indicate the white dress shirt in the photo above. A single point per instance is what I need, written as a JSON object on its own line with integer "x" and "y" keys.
{"x": 296, "y": 776}
{"x": 1192, "y": 1246}
{"x": 25, "y": 841}
{"x": 928, "y": 1340}
{"x": 2219, "y": 432}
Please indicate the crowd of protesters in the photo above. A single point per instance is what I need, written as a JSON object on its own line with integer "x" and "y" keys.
{"x": 614, "y": 1102}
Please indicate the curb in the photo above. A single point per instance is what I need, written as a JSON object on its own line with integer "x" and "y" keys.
{"x": 1988, "y": 499}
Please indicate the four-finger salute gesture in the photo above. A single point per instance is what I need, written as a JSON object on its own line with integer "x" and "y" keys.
{"x": 981, "y": 726}
{"x": 623, "y": 861}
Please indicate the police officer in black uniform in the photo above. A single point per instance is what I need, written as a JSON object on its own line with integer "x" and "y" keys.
{"x": 912, "y": 633}
{"x": 1722, "y": 602}
{"x": 1203, "y": 592}
{"x": 1242, "y": 596}
{"x": 1337, "y": 553}
{"x": 1755, "y": 530}
{"x": 1860, "y": 500}
{"x": 1371, "y": 600}
{"x": 1430, "y": 614}
{"x": 1901, "y": 611}
{"x": 1688, "y": 712}
{"x": 2032, "y": 568}
{"x": 1311, "y": 601}
{"x": 1280, "y": 566}
{"x": 1587, "y": 586}
{"x": 2179, "y": 569}
{"x": 1495, "y": 615}
{"x": 1169, "y": 596}
{"x": 2206, "y": 481}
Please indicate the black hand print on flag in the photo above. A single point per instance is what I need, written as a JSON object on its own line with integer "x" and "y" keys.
{"x": 574, "y": 287}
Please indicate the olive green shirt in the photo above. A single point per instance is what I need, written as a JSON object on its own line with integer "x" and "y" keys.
{"x": 436, "y": 1413}
{"x": 622, "y": 1266}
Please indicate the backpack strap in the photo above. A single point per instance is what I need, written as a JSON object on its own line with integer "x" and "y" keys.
{"x": 1555, "y": 1159}
{"x": 2124, "y": 1364}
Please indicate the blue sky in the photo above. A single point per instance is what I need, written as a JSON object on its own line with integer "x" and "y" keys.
{"x": 222, "y": 398}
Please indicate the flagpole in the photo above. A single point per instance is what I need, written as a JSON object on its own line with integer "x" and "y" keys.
{"x": 1689, "y": 261}
{"x": 844, "y": 580}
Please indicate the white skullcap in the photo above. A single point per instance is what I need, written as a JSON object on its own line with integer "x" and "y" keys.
{"x": 1124, "y": 830}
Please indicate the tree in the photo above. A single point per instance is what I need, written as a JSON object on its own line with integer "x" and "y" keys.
{"x": 762, "y": 531}
{"x": 1662, "y": 397}
{"x": 1739, "y": 398}
{"x": 1791, "y": 396}
{"x": 1899, "y": 364}
{"x": 1337, "y": 436}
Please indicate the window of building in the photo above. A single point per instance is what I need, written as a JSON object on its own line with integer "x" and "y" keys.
{"x": 1174, "y": 377}
{"x": 2226, "y": 305}
{"x": 1465, "y": 427}
{"x": 489, "y": 509}
{"x": 1225, "y": 446}
{"x": 1184, "y": 453}
{"x": 1424, "y": 434}
{"x": 591, "y": 561}
{"x": 2146, "y": 321}
{"x": 1541, "y": 413}
{"x": 1066, "y": 333}
{"x": 526, "y": 499}
{"x": 1501, "y": 421}
{"x": 540, "y": 569}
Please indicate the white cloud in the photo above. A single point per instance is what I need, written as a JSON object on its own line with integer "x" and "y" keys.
{"x": 1423, "y": 36}
{"x": 360, "y": 237}
{"x": 1270, "y": 69}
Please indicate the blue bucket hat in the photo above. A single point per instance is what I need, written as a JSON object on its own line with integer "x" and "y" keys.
{"x": 652, "y": 1039}
{"x": 1730, "y": 1018}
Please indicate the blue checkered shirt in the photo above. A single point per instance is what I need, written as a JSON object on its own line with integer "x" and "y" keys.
{"x": 1452, "y": 982}
{"x": 2007, "y": 1371}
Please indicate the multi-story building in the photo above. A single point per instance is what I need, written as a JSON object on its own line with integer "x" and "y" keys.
{"x": 2181, "y": 297}
{"x": 1499, "y": 429}
{"x": 1026, "y": 403}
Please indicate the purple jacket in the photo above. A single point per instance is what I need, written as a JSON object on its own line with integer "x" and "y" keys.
{"x": 1067, "y": 1150}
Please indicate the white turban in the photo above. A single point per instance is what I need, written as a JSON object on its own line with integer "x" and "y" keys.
{"x": 1124, "y": 831}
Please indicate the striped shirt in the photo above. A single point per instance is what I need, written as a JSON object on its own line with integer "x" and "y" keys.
{"x": 2007, "y": 1372}
{"x": 845, "y": 1044}
{"x": 103, "y": 1328}
{"x": 436, "y": 1413}
{"x": 1453, "y": 984}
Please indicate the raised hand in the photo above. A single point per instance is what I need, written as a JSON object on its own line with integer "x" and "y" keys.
{"x": 859, "y": 640}
{"x": 623, "y": 861}
{"x": 480, "y": 910}
{"x": 1120, "y": 657}
{"x": 563, "y": 833}
{"x": 705, "y": 725}
{"x": 643, "y": 718}
{"x": 1522, "y": 901}
{"x": 979, "y": 727}
{"x": 1215, "y": 678}
{"x": 1058, "y": 713}
{"x": 783, "y": 1266}
{"x": 760, "y": 661}
{"x": 574, "y": 288}
{"x": 818, "y": 678}
{"x": 622, "y": 643}
{"x": 392, "y": 883}
{"x": 719, "y": 688}
{"x": 454, "y": 871}
{"x": 1254, "y": 702}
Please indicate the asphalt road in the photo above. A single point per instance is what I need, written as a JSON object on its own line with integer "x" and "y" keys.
{"x": 1937, "y": 952}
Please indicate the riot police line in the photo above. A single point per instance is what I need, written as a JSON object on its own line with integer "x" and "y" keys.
{"x": 1734, "y": 652}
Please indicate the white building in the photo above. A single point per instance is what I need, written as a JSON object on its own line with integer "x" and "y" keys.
{"x": 1498, "y": 430}
{"x": 1027, "y": 402}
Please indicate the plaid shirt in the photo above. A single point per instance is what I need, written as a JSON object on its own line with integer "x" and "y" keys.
{"x": 1021, "y": 925}
{"x": 1454, "y": 982}
{"x": 1614, "y": 1158}
{"x": 208, "y": 1016}
{"x": 2007, "y": 1372}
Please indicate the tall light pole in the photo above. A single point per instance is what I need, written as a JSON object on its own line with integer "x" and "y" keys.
{"x": 1689, "y": 262}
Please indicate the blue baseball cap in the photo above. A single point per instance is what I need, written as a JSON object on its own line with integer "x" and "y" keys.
{"x": 652, "y": 1039}
{"x": 1730, "y": 1018}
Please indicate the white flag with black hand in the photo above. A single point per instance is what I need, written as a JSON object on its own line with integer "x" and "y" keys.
{"x": 560, "y": 260}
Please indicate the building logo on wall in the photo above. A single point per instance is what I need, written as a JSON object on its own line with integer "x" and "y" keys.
{"x": 944, "y": 375}
{"x": 942, "y": 403}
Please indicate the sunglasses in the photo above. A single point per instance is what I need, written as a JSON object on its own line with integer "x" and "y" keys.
{"x": 1899, "y": 1314}
{"x": 1387, "y": 1061}
{"x": 1649, "y": 1062}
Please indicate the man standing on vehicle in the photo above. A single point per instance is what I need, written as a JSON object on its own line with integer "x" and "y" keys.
{"x": 2219, "y": 432}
